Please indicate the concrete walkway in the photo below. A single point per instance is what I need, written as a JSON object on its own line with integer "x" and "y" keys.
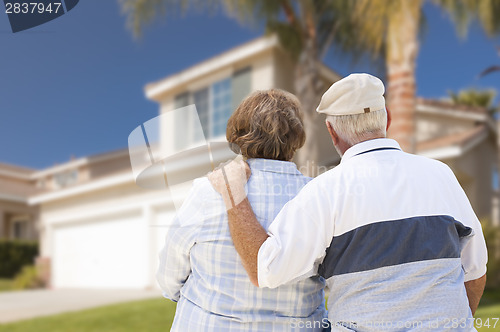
{"x": 19, "y": 305}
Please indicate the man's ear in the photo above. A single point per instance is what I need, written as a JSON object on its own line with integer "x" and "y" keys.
{"x": 389, "y": 119}
{"x": 333, "y": 134}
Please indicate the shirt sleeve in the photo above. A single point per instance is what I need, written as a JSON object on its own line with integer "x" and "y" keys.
{"x": 298, "y": 238}
{"x": 174, "y": 266}
{"x": 474, "y": 254}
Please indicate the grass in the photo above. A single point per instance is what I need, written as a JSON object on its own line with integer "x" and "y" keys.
{"x": 6, "y": 284}
{"x": 157, "y": 315}
{"x": 489, "y": 308}
{"x": 148, "y": 316}
{"x": 488, "y": 311}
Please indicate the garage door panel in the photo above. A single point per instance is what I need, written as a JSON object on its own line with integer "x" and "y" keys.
{"x": 102, "y": 253}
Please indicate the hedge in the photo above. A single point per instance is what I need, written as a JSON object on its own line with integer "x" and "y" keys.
{"x": 14, "y": 254}
{"x": 492, "y": 236}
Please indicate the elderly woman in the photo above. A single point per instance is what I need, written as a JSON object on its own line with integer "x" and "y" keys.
{"x": 199, "y": 266}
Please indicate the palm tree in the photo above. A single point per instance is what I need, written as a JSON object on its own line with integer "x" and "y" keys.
{"x": 306, "y": 29}
{"x": 394, "y": 25}
{"x": 490, "y": 69}
{"x": 475, "y": 98}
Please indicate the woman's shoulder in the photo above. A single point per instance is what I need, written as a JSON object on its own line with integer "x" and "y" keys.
{"x": 203, "y": 187}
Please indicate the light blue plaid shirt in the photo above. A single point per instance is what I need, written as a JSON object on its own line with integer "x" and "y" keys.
{"x": 200, "y": 268}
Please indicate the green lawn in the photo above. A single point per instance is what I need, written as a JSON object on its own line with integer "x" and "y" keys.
{"x": 5, "y": 284}
{"x": 489, "y": 308}
{"x": 488, "y": 311}
{"x": 148, "y": 316}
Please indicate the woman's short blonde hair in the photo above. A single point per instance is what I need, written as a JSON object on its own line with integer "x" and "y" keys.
{"x": 267, "y": 124}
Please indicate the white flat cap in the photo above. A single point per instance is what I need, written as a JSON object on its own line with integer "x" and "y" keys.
{"x": 354, "y": 94}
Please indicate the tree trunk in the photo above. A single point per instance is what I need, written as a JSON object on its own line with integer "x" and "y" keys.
{"x": 401, "y": 62}
{"x": 308, "y": 88}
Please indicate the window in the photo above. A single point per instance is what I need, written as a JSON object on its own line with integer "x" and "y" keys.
{"x": 242, "y": 85}
{"x": 495, "y": 183}
{"x": 65, "y": 179}
{"x": 221, "y": 107}
{"x": 214, "y": 104}
{"x": 19, "y": 228}
{"x": 200, "y": 99}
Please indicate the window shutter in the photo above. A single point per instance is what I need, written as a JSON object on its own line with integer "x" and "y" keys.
{"x": 182, "y": 130}
{"x": 242, "y": 85}
{"x": 201, "y": 99}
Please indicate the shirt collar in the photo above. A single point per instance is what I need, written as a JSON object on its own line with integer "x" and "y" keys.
{"x": 369, "y": 145}
{"x": 275, "y": 166}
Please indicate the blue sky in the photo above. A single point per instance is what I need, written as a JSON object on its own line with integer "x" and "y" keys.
{"x": 74, "y": 86}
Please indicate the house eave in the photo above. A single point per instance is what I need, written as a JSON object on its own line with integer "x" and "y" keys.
{"x": 77, "y": 163}
{"x": 450, "y": 112}
{"x": 454, "y": 151}
{"x": 156, "y": 90}
{"x": 15, "y": 175}
{"x": 328, "y": 73}
{"x": 184, "y": 165}
{"x": 81, "y": 189}
{"x": 444, "y": 153}
{"x": 13, "y": 198}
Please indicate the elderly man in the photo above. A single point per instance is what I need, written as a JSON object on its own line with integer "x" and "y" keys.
{"x": 393, "y": 233}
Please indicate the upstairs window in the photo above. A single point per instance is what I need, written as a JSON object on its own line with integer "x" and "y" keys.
{"x": 495, "y": 181}
{"x": 221, "y": 107}
{"x": 65, "y": 179}
{"x": 214, "y": 104}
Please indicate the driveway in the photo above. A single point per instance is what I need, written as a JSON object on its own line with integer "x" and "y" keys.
{"x": 21, "y": 305}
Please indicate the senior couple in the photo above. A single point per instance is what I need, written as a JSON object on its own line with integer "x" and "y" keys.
{"x": 391, "y": 234}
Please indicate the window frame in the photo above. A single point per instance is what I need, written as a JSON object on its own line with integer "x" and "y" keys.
{"x": 189, "y": 94}
{"x": 22, "y": 220}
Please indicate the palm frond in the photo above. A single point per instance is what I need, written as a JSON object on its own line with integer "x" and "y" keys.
{"x": 473, "y": 97}
{"x": 463, "y": 12}
{"x": 140, "y": 13}
{"x": 489, "y": 70}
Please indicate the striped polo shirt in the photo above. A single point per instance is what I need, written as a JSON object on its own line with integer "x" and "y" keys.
{"x": 394, "y": 235}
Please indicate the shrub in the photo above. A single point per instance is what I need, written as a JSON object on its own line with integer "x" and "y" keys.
{"x": 492, "y": 236}
{"x": 14, "y": 254}
{"x": 28, "y": 278}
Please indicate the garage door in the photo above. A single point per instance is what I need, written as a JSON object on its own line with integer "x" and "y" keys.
{"x": 109, "y": 252}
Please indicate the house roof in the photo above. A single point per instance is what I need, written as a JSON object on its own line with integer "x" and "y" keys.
{"x": 156, "y": 90}
{"x": 16, "y": 191}
{"x": 447, "y": 104}
{"x": 14, "y": 171}
{"x": 446, "y": 108}
{"x": 15, "y": 184}
{"x": 453, "y": 145}
{"x": 75, "y": 163}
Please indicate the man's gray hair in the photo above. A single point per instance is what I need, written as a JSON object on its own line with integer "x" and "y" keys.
{"x": 357, "y": 128}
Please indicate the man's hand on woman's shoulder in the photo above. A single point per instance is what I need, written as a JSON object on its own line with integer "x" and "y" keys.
{"x": 229, "y": 180}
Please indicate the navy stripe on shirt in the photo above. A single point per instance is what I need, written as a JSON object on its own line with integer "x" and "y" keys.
{"x": 393, "y": 242}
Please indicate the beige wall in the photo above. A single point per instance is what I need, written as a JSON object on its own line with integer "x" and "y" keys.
{"x": 107, "y": 167}
{"x": 431, "y": 126}
{"x": 263, "y": 76}
{"x": 12, "y": 210}
{"x": 284, "y": 71}
{"x": 2, "y": 224}
{"x": 16, "y": 187}
{"x": 474, "y": 172}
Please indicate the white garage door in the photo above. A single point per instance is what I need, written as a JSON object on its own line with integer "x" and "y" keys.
{"x": 110, "y": 252}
